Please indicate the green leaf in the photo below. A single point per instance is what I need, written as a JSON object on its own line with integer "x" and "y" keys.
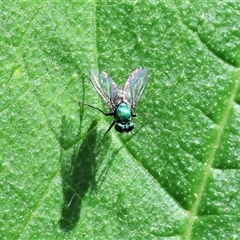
{"x": 175, "y": 177}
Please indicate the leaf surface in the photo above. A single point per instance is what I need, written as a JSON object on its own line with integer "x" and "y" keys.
{"x": 175, "y": 177}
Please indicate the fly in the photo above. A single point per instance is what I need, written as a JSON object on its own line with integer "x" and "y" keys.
{"x": 121, "y": 102}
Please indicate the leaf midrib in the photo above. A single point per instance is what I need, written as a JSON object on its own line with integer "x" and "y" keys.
{"x": 210, "y": 159}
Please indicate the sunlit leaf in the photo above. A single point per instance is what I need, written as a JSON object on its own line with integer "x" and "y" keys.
{"x": 175, "y": 177}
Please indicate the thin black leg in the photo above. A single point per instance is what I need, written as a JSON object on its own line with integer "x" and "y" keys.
{"x": 106, "y": 114}
{"x": 112, "y": 124}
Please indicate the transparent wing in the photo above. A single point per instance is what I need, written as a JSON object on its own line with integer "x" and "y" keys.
{"x": 135, "y": 86}
{"x": 106, "y": 88}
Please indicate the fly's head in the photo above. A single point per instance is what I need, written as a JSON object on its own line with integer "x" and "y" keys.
{"x": 119, "y": 127}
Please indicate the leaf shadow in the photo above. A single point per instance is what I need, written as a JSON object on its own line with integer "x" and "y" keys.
{"x": 77, "y": 178}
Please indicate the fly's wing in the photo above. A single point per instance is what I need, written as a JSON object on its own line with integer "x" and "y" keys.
{"x": 135, "y": 86}
{"x": 116, "y": 94}
{"x": 106, "y": 87}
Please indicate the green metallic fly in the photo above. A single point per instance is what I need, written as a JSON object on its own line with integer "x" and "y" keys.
{"x": 121, "y": 102}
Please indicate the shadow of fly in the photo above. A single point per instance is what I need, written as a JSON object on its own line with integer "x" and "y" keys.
{"x": 121, "y": 102}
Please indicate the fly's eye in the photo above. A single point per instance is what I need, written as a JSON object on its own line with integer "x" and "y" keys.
{"x": 119, "y": 127}
{"x": 130, "y": 126}
{"x": 124, "y": 127}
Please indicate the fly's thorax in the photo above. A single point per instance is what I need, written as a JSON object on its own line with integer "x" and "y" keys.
{"x": 123, "y": 117}
{"x": 123, "y": 113}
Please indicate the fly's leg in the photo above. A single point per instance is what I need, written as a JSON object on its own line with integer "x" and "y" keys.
{"x": 106, "y": 114}
{"x": 112, "y": 124}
